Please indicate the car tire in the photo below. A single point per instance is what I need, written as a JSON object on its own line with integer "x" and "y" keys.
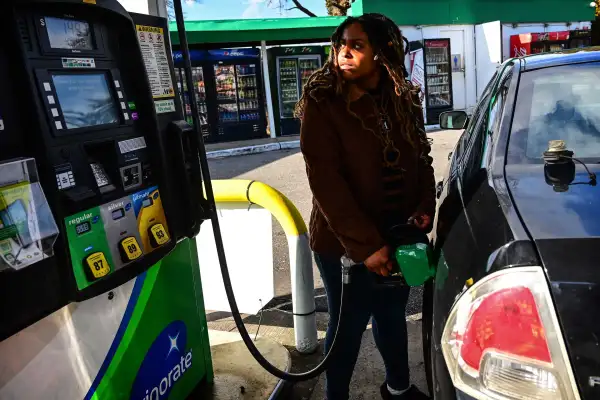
{"x": 426, "y": 330}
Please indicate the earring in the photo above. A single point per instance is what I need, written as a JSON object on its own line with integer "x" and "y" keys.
{"x": 376, "y": 58}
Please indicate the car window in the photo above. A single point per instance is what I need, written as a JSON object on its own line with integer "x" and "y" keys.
{"x": 497, "y": 105}
{"x": 557, "y": 103}
{"x": 496, "y": 114}
{"x": 473, "y": 149}
{"x": 475, "y": 123}
{"x": 463, "y": 142}
{"x": 480, "y": 109}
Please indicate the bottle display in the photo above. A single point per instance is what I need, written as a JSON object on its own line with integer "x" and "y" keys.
{"x": 307, "y": 68}
{"x": 437, "y": 59}
{"x": 293, "y": 75}
{"x": 288, "y": 85}
{"x": 247, "y": 92}
{"x": 226, "y": 93}
{"x": 199, "y": 95}
{"x": 225, "y": 82}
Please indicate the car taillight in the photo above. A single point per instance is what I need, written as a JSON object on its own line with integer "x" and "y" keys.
{"x": 502, "y": 340}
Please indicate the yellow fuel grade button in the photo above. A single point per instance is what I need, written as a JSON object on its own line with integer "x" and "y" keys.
{"x": 130, "y": 249}
{"x": 158, "y": 235}
{"x": 97, "y": 266}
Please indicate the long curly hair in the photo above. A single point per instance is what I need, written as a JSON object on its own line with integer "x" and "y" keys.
{"x": 387, "y": 43}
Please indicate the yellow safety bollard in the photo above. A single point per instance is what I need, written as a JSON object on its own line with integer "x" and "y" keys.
{"x": 301, "y": 271}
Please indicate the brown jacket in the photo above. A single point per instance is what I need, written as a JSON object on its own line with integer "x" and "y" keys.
{"x": 344, "y": 167}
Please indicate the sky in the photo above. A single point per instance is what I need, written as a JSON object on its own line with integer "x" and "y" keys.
{"x": 247, "y": 9}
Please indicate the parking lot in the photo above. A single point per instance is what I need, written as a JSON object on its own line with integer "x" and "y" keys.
{"x": 284, "y": 170}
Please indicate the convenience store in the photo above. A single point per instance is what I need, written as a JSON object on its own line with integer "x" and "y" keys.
{"x": 457, "y": 33}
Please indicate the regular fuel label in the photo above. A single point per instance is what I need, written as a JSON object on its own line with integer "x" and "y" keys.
{"x": 152, "y": 43}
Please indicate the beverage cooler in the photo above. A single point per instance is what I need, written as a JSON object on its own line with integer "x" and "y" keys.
{"x": 227, "y": 91}
{"x": 580, "y": 38}
{"x": 438, "y": 78}
{"x": 200, "y": 92}
{"x": 291, "y": 66}
{"x": 536, "y": 43}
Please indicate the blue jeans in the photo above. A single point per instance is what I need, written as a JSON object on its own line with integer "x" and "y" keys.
{"x": 387, "y": 307}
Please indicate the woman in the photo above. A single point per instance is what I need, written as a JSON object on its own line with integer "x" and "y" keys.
{"x": 368, "y": 165}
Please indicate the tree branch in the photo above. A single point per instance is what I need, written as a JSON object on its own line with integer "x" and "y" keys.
{"x": 339, "y": 6}
{"x": 303, "y": 9}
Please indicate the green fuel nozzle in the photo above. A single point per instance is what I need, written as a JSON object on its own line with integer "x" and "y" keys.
{"x": 412, "y": 258}
{"x": 413, "y": 263}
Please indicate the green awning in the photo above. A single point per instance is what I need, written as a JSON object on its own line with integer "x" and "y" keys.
{"x": 276, "y": 30}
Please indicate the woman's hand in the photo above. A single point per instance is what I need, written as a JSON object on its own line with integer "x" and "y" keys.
{"x": 421, "y": 220}
{"x": 379, "y": 262}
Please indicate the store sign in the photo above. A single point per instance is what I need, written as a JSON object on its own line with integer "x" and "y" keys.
{"x": 216, "y": 55}
{"x": 437, "y": 43}
{"x": 233, "y": 53}
{"x": 300, "y": 49}
{"x": 195, "y": 55}
{"x": 457, "y": 63}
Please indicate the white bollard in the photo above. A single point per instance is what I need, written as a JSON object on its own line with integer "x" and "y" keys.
{"x": 301, "y": 271}
{"x": 303, "y": 298}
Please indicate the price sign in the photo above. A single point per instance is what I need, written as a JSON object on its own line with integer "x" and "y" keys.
{"x": 130, "y": 249}
{"x": 159, "y": 234}
{"x": 97, "y": 265}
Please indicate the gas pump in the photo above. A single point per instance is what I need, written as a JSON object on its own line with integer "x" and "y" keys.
{"x": 100, "y": 199}
{"x": 99, "y": 202}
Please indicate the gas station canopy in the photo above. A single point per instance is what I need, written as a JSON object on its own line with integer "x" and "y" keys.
{"x": 279, "y": 31}
{"x": 252, "y": 31}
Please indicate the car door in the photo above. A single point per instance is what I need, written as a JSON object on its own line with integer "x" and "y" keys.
{"x": 458, "y": 226}
{"x": 453, "y": 242}
{"x": 487, "y": 222}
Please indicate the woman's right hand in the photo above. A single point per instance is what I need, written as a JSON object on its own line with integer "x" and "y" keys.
{"x": 379, "y": 262}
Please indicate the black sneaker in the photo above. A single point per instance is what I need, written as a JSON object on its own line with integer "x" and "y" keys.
{"x": 413, "y": 393}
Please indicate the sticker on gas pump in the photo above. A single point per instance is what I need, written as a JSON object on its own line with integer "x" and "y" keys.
{"x": 131, "y": 248}
{"x": 130, "y": 145}
{"x": 97, "y": 264}
{"x": 164, "y": 106}
{"x": 152, "y": 43}
{"x": 72, "y": 62}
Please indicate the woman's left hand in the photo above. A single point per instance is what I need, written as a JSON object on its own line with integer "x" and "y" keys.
{"x": 421, "y": 220}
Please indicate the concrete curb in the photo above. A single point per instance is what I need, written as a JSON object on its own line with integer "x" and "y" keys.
{"x": 263, "y": 148}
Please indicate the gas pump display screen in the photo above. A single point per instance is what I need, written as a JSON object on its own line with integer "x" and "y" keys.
{"x": 85, "y": 100}
{"x": 68, "y": 34}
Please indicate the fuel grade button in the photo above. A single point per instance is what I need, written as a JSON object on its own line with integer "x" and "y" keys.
{"x": 158, "y": 235}
{"x": 97, "y": 266}
{"x": 130, "y": 249}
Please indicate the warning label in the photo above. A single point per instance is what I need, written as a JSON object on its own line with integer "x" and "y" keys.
{"x": 152, "y": 43}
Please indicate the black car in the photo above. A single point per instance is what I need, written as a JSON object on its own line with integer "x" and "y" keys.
{"x": 514, "y": 309}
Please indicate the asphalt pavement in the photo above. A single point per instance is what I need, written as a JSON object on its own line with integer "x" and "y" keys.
{"x": 285, "y": 171}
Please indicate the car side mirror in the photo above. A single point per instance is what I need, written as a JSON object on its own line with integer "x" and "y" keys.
{"x": 454, "y": 120}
